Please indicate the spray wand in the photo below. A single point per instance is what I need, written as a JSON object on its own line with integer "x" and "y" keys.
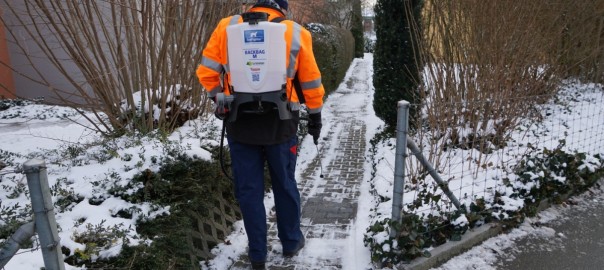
{"x": 319, "y": 154}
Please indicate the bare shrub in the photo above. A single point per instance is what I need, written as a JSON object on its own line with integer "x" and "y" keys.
{"x": 488, "y": 64}
{"x": 136, "y": 59}
{"x": 581, "y": 40}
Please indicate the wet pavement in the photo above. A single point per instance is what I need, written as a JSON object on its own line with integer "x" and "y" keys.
{"x": 574, "y": 240}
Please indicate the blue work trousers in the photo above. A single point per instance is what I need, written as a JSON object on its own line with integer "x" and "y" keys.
{"x": 248, "y": 173}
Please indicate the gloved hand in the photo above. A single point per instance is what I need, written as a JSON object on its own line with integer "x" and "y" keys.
{"x": 314, "y": 126}
{"x": 221, "y": 110}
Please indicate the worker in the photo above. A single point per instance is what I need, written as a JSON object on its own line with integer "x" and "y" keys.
{"x": 264, "y": 84}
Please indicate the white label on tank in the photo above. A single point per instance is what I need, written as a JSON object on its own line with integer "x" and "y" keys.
{"x": 255, "y": 57}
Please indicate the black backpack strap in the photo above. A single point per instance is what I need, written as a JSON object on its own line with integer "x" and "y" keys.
{"x": 278, "y": 19}
{"x": 296, "y": 81}
{"x": 298, "y": 88}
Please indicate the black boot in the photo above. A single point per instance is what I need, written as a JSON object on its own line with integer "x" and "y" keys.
{"x": 294, "y": 252}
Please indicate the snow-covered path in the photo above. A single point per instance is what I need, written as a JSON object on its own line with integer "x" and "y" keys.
{"x": 330, "y": 204}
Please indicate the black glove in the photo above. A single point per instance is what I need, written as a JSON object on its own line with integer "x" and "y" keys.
{"x": 221, "y": 111}
{"x": 314, "y": 126}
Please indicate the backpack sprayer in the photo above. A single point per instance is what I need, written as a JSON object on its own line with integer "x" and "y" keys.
{"x": 257, "y": 65}
{"x": 256, "y": 50}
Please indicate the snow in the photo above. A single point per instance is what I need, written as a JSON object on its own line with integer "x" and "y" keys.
{"x": 493, "y": 251}
{"x": 96, "y": 164}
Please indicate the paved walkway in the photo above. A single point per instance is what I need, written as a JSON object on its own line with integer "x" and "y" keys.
{"x": 329, "y": 204}
{"x": 573, "y": 240}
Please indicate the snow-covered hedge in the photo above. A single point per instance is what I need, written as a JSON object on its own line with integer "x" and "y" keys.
{"x": 334, "y": 51}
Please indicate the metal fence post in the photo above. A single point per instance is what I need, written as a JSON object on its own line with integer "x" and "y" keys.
{"x": 399, "y": 161}
{"x": 45, "y": 223}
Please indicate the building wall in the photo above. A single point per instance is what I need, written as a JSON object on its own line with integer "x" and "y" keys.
{"x": 7, "y": 83}
{"x": 35, "y": 76}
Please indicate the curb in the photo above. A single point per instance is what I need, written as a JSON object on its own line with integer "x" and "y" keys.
{"x": 450, "y": 249}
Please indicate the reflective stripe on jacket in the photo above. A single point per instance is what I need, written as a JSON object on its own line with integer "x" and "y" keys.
{"x": 301, "y": 60}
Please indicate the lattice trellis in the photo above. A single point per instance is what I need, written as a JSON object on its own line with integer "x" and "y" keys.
{"x": 210, "y": 229}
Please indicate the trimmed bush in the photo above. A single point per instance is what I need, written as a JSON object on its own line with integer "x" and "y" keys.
{"x": 396, "y": 59}
{"x": 334, "y": 51}
{"x": 357, "y": 29}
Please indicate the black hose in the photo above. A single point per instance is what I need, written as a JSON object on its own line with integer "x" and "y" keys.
{"x": 220, "y": 152}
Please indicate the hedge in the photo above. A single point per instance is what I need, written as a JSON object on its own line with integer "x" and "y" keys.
{"x": 334, "y": 50}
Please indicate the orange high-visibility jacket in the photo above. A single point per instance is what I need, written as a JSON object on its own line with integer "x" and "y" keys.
{"x": 301, "y": 60}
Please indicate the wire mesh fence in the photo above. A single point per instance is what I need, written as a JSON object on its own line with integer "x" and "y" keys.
{"x": 477, "y": 148}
